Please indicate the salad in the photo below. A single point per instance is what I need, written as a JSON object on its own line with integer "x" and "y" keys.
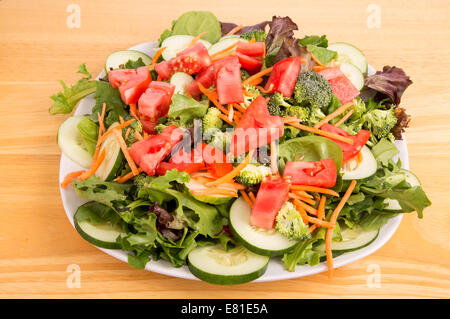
{"x": 236, "y": 144}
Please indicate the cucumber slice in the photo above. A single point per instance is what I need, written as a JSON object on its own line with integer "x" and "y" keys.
{"x": 393, "y": 204}
{"x": 193, "y": 185}
{"x": 360, "y": 167}
{"x": 236, "y": 266}
{"x": 353, "y": 74}
{"x": 350, "y": 54}
{"x": 224, "y": 43}
{"x": 71, "y": 142}
{"x": 352, "y": 239}
{"x": 115, "y": 59}
{"x": 177, "y": 43}
{"x": 101, "y": 234}
{"x": 181, "y": 80}
{"x": 258, "y": 240}
{"x": 113, "y": 158}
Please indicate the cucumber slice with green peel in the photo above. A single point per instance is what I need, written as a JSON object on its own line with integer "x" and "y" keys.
{"x": 353, "y": 74}
{"x": 258, "y": 240}
{"x": 113, "y": 157}
{"x": 393, "y": 204}
{"x": 100, "y": 233}
{"x": 177, "y": 43}
{"x": 360, "y": 167}
{"x": 181, "y": 80}
{"x": 352, "y": 239}
{"x": 224, "y": 43}
{"x": 236, "y": 266}
{"x": 350, "y": 54}
{"x": 193, "y": 185}
{"x": 115, "y": 59}
{"x": 71, "y": 142}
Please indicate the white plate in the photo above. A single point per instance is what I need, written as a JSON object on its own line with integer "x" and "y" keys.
{"x": 276, "y": 270}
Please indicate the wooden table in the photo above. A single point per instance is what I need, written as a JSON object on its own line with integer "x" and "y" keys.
{"x": 37, "y": 243}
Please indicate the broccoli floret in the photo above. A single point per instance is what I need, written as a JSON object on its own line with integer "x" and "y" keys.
{"x": 313, "y": 89}
{"x": 302, "y": 112}
{"x": 252, "y": 174}
{"x": 290, "y": 224}
{"x": 277, "y": 104}
{"x": 253, "y": 91}
{"x": 258, "y": 35}
{"x": 211, "y": 119}
{"x": 380, "y": 123}
{"x": 221, "y": 140}
{"x": 244, "y": 75}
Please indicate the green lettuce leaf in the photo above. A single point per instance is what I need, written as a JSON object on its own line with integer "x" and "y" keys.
{"x": 186, "y": 108}
{"x": 322, "y": 54}
{"x": 315, "y": 40}
{"x": 103, "y": 192}
{"x": 195, "y": 22}
{"x": 89, "y": 131}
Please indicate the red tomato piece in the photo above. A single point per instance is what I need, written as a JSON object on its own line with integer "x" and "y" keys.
{"x": 229, "y": 84}
{"x": 251, "y": 64}
{"x": 348, "y": 150}
{"x": 131, "y": 82}
{"x": 342, "y": 87}
{"x": 164, "y": 86}
{"x": 206, "y": 78}
{"x": 156, "y": 100}
{"x": 150, "y": 152}
{"x": 216, "y": 161}
{"x": 148, "y": 125}
{"x": 164, "y": 70}
{"x": 284, "y": 75}
{"x": 255, "y": 49}
{"x": 191, "y": 60}
{"x": 271, "y": 196}
{"x": 256, "y": 128}
{"x": 321, "y": 174}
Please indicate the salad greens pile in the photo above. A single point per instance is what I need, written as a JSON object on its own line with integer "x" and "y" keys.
{"x": 159, "y": 217}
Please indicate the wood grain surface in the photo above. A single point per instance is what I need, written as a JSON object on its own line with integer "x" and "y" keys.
{"x": 37, "y": 242}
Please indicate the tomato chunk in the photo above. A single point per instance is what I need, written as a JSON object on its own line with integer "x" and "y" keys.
{"x": 156, "y": 100}
{"x": 342, "y": 87}
{"x": 348, "y": 150}
{"x": 321, "y": 174}
{"x": 228, "y": 83}
{"x": 150, "y": 152}
{"x": 191, "y": 60}
{"x": 164, "y": 70}
{"x": 206, "y": 78}
{"x": 271, "y": 196}
{"x": 251, "y": 64}
{"x": 131, "y": 82}
{"x": 256, "y": 128}
{"x": 284, "y": 75}
{"x": 255, "y": 49}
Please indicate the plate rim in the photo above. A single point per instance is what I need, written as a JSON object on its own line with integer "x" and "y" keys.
{"x": 275, "y": 270}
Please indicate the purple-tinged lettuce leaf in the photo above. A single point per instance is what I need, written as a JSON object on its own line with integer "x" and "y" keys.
{"x": 280, "y": 29}
{"x": 228, "y": 26}
{"x": 390, "y": 83}
{"x": 291, "y": 47}
{"x": 402, "y": 122}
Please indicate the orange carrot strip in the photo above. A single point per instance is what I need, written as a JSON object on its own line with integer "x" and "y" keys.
{"x": 321, "y": 132}
{"x": 315, "y": 189}
{"x": 70, "y": 177}
{"x": 258, "y": 75}
{"x": 302, "y": 212}
{"x": 126, "y": 177}
{"x": 230, "y": 112}
{"x": 138, "y": 135}
{"x": 234, "y": 30}
{"x": 341, "y": 109}
{"x": 225, "y": 118}
{"x": 302, "y": 193}
{"x": 127, "y": 133}
{"x": 221, "y": 52}
{"x": 246, "y": 198}
{"x": 118, "y": 127}
{"x": 211, "y": 96}
{"x": 255, "y": 82}
{"x": 321, "y": 208}
{"x": 344, "y": 118}
{"x": 95, "y": 165}
{"x": 314, "y": 58}
{"x": 312, "y": 228}
{"x": 125, "y": 152}
{"x": 252, "y": 196}
{"x": 239, "y": 107}
{"x": 233, "y": 185}
{"x": 121, "y": 119}
{"x": 234, "y": 172}
{"x": 156, "y": 57}
{"x": 196, "y": 39}
{"x": 306, "y": 207}
{"x": 333, "y": 220}
{"x": 214, "y": 191}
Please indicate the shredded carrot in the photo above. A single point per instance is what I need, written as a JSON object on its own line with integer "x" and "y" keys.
{"x": 126, "y": 177}
{"x": 344, "y": 118}
{"x": 303, "y": 199}
{"x": 125, "y": 152}
{"x": 314, "y": 58}
{"x": 156, "y": 57}
{"x": 127, "y": 133}
{"x": 234, "y": 172}
{"x": 341, "y": 109}
{"x": 255, "y": 82}
{"x": 196, "y": 39}
{"x": 95, "y": 165}
{"x": 312, "y": 228}
{"x": 239, "y": 107}
{"x": 252, "y": 40}
{"x": 118, "y": 127}
{"x": 306, "y": 207}
{"x": 101, "y": 120}
{"x": 258, "y": 75}
{"x": 225, "y": 118}
{"x": 302, "y": 193}
{"x": 252, "y": 196}
{"x": 230, "y": 112}
{"x": 321, "y": 208}
{"x": 212, "y": 97}
{"x": 302, "y": 212}
{"x": 274, "y": 158}
{"x": 218, "y": 55}
{"x": 263, "y": 90}
{"x": 203, "y": 174}
{"x": 321, "y": 132}
{"x": 234, "y": 30}
{"x": 321, "y": 223}
{"x": 333, "y": 220}
{"x": 214, "y": 191}
{"x": 70, "y": 177}
{"x": 246, "y": 198}
{"x": 121, "y": 119}
{"x": 314, "y": 189}
{"x": 233, "y": 185}
{"x": 138, "y": 135}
